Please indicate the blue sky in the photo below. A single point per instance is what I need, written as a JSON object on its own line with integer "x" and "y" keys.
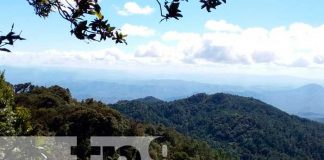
{"x": 266, "y": 37}
{"x": 53, "y": 32}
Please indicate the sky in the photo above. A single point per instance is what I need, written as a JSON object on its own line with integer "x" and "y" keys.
{"x": 269, "y": 37}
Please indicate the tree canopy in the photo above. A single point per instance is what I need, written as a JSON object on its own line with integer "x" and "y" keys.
{"x": 14, "y": 119}
{"x": 240, "y": 125}
{"x": 87, "y": 21}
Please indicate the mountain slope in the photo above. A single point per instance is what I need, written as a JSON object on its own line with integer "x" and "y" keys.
{"x": 242, "y": 125}
{"x": 53, "y": 112}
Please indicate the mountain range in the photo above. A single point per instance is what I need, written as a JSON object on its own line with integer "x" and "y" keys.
{"x": 216, "y": 126}
{"x": 305, "y": 99}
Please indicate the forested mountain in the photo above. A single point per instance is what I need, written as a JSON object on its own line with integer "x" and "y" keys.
{"x": 53, "y": 112}
{"x": 246, "y": 126}
{"x": 233, "y": 126}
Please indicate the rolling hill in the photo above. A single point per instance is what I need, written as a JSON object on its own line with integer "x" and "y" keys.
{"x": 249, "y": 127}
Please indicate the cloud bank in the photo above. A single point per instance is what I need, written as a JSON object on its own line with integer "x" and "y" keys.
{"x": 226, "y": 47}
{"x": 297, "y": 45}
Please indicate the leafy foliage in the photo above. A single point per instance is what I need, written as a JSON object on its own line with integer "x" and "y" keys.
{"x": 87, "y": 21}
{"x": 173, "y": 8}
{"x": 7, "y": 115}
{"x": 240, "y": 125}
{"x": 211, "y": 4}
{"x": 13, "y": 120}
{"x": 55, "y": 113}
{"x": 9, "y": 39}
{"x": 79, "y": 13}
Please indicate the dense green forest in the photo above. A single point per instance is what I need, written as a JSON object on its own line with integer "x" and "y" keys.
{"x": 200, "y": 127}
{"x": 28, "y": 110}
{"x": 237, "y": 124}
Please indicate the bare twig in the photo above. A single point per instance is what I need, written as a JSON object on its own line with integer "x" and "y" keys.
{"x": 160, "y": 7}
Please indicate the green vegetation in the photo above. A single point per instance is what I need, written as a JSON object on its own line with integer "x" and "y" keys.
{"x": 237, "y": 124}
{"x": 7, "y": 115}
{"x": 41, "y": 111}
{"x": 244, "y": 128}
{"x": 13, "y": 118}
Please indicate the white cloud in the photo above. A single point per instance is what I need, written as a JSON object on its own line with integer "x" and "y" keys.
{"x": 319, "y": 59}
{"x": 101, "y": 58}
{"x": 135, "y": 30}
{"x": 131, "y": 8}
{"x": 263, "y": 57}
{"x": 220, "y": 54}
{"x": 301, "y": 62}
{"x": 222, "y": 26}
{"x": 157, "y": 53}
{"x": 295, "y": 49}
{"x": 296, "y": 45}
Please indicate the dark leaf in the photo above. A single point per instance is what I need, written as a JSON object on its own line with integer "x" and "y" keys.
{"x": 5, "y": 50}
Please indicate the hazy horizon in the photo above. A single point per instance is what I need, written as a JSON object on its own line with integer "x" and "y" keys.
{"x": 46, "y": 74}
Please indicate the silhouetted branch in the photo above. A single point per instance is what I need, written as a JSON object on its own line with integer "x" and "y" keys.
{"x": 159, "y": 3}
{"x": 173, "y": 7}
{"x": 9, "y": 39}
{"x": 98, "y": 29}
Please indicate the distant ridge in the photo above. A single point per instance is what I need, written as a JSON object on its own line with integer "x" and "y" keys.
{"x": 312, "y": 86}
{"x": 149, "y": 99}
